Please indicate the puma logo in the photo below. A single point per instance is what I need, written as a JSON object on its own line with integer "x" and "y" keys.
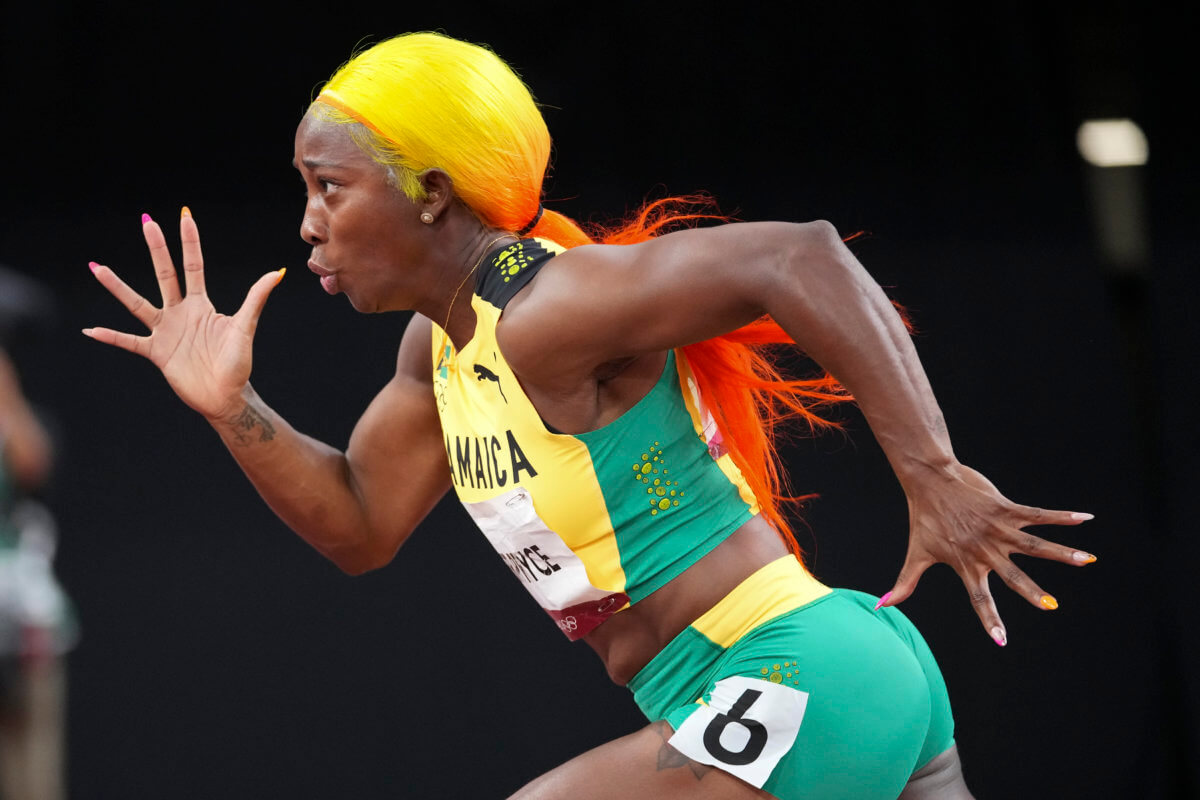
{"x": 485, "y": 374}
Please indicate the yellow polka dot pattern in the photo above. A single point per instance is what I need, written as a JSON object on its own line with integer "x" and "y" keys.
{"x": 651, "y": 471}
{"x": 512, "y": 260}
{"x": 779, "y": 672}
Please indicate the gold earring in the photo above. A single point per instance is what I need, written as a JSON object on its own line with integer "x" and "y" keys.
{"x": 426, "y": 217}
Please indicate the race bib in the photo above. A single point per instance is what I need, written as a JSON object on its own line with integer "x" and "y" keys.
{"x": 747, "y": 726}
{"x": 543, "y": 562}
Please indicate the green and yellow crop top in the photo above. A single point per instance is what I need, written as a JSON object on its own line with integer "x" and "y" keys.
{"x": 590, "y": 522}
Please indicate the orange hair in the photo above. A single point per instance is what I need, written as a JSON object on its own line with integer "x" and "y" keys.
{"x": 738, "y": 373}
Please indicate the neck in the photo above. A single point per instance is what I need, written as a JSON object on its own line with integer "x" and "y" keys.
{"x": 452, "y": 305}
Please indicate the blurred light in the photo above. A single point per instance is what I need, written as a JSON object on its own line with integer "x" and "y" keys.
{"x": 1112, "y": 143}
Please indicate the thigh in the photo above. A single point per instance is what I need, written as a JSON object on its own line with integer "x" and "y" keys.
{"x": 940, "y": 779}
{"x": 642, "y": 764}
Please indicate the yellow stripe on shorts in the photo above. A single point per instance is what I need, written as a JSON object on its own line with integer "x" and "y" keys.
{"x": 775, "y": 589}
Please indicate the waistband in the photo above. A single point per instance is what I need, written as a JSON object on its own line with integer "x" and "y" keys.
{"x": 775, "y": 589}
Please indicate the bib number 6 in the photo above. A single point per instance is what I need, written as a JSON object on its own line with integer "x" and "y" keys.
{"x": 754, "y": 744}
{"x": 746, "y": 727}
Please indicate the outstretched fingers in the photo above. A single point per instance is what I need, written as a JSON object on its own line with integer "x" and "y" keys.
{"x": 975, "y": 580}
{"x": 1030, "y": 545}
{"x": 252, "y": 307}
{"x": 137, "y": 305}
{"x": 985, "y": 606}
{"x": 906, "y": 582}
{"x": 1016, "y": 579}
{"x": 970, "y": 526}
{"x": 145, "y": 313}
{"x": 193, "y": 259}
{"x": 125, "y": 341}
{"x": 1032, "y": 515}
{"x": 164, "y": 267}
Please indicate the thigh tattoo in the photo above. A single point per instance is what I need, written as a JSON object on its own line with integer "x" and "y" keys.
{"x": 670, "y": 758}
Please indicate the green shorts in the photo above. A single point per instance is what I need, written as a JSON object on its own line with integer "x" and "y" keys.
{"x": 801, "y": 690}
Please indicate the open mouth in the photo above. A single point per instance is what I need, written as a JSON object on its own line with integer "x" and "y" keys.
{"x": 329, "y": 281}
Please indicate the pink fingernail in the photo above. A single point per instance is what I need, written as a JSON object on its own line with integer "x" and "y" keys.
{"x": 883, "y": 600}
{"x": 145, "y": 218}
{"x": 998, "y": 636}
{"x": 1082, "y": 517}
{"x": 93, "y": 266}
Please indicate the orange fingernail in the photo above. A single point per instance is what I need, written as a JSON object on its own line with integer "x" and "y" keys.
{"x": 1085, "y": 558}
{"x": 1049, "y": 602}
{"x": 185, "y": 212}
{"x": 282, "y": 272}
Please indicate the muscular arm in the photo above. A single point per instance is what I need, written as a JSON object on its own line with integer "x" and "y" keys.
{"x": 604, "y": 303}
{"x": 600, "y": 304}
{"x": 359, "y": 506}
{"x": 355, "y": 507}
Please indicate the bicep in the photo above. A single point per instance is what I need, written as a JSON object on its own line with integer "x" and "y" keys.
{"x": 606, "y": 302}
{"x": 396, "y": 459}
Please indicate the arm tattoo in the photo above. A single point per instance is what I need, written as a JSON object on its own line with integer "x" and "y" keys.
{"x": 246, "y": 421}
{"x": 670, "y": 758}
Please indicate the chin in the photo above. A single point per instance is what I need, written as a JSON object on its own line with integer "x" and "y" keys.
{"x": 367, "y": 305}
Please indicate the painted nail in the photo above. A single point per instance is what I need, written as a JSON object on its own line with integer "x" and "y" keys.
{"x": 282, "y": 272}
{"x": 185, "y": 212}
{"x": 1049, "y": 602}
{"x": 1082, "y": 516}
{"x": 883, "y": 600}
{"x": 998, "y": 636}
{"x": 145, "y": 218}
{"x": 93, "y": 266}
{"x": 1086, "y": 558}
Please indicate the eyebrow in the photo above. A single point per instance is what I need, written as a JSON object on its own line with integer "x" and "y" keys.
{"x": 313, "y": 163}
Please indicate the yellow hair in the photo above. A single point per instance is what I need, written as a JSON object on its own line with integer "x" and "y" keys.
{"x": 425, "y": 100}
{"x": 429, "y": 101}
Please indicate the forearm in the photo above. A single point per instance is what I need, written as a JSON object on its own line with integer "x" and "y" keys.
{"x": 838, "y": 314}
{"x": 307, "y": 483}
{"x": 841, "y": 317}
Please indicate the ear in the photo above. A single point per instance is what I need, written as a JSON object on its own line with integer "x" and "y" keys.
{"x": 439, "y": 191}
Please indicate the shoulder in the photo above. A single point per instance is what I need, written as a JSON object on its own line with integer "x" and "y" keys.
{"x": 512, "y": 268}
{"x": 551, "y": 322}
{"x": 598, "y": 303}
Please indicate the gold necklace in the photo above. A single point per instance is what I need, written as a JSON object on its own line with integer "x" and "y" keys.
{"x": 486, "y": 250}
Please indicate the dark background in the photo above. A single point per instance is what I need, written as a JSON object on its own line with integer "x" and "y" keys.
{"x": 221, "y": 657}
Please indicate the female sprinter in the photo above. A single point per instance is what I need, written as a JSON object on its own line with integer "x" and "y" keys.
{"x": 601, "y": 407}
